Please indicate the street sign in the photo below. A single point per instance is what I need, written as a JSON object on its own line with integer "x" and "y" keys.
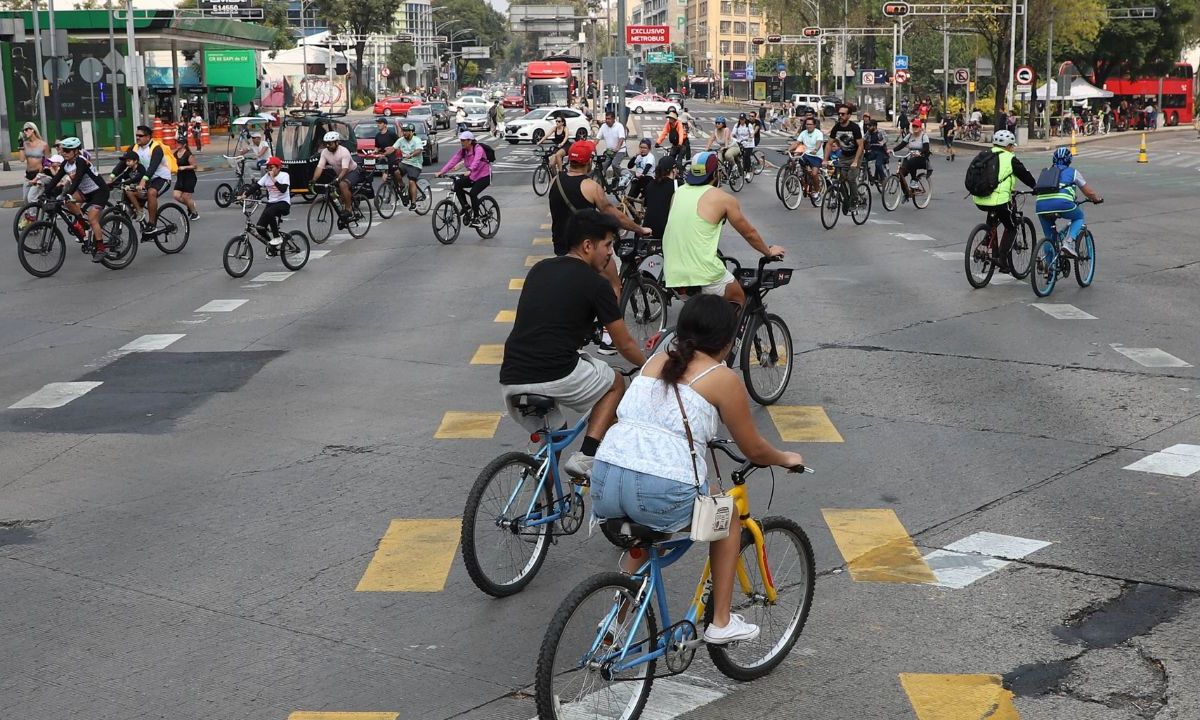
{"x": 737, "y": 74}
{"x": 811, "y": 32}
{"x": 648, "y": 34}
{"x": 1024, "y": 75}
{"x": 901, "y": 76}
{"x": 476, "y": 52}
{"x": 873, "y": 77}
{"x": 91, "y": 70}
{"x": 660, "y": 58}
{"x": 691, "y": 70}
{"x": 896, "y": 9}
{"x": 750, "y": 72}
{"x": 385, "y": 71}
{"x": 868, "y": 77}
{"x": 962, "y": 76}
{"x": 783, "y": 74}
{"x": 780, "y": 67}
{"x": 901, "y": 62}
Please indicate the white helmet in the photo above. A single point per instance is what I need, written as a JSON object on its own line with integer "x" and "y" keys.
{"x": 1003, "y": 138}
{"x": 332, "y": 136}
{"x": 72, "y": 143}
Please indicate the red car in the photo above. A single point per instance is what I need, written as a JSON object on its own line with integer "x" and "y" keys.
{"x": 512, "y": 101}
{"x": 398, "y": 105}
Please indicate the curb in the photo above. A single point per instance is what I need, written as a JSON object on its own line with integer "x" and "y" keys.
{"x": 1041, "y": 145}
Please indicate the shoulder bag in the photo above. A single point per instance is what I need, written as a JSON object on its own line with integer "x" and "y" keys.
{"x": 711, "y": 514}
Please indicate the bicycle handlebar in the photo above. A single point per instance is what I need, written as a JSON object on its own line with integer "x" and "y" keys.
{"x": 723, "y": 444}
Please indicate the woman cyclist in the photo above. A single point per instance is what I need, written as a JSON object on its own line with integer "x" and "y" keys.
{"x": 918, "y": 158}
{"x": 85, "y": 184}
{"x": 743, "y": 136}
{"x": 721, "y": 141}
{"x": 560, "y": 141}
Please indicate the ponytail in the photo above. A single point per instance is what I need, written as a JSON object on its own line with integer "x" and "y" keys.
{"x": 679, "y": 356}
{"x": 706, "y": 324}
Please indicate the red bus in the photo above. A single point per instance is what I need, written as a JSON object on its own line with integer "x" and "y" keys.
{"x": 1178, "y": 96}
{"x": 548, "y": 82}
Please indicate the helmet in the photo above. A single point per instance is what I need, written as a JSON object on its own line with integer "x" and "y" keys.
{"x": 408, "y": 127}
{"x": 466, "y": 135}
{"x": 72, "y": 143}
{"x": 1062, "y": 156}
{"x": 275, "y": 162}
{"x": 720, "y": 120}
{"x": 1003, "y": 138}
{"x": 332, "y": 136}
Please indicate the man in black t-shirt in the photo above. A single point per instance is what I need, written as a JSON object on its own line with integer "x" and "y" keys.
{"x": 846, "y": 136}
{"x": 561, "y": 301}
{"x": 385, "y": 138}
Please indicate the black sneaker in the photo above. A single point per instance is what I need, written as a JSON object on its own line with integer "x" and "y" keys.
{"x": 193, "y": 216}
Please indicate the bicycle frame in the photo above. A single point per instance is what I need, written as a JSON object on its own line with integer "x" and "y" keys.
{"x": 553, "y": 443}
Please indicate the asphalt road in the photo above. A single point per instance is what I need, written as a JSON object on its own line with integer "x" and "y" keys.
{"x": 199, "y": 534}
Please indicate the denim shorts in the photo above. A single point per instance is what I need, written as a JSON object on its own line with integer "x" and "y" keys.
{"x": 659, "y": 503}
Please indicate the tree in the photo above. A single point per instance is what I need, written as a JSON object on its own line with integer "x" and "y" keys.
{"x": 1141, "y": 48}
{"x": 359, "y": 18}
{"x": 399, "y": 55}
{"x": 488, "y": 27}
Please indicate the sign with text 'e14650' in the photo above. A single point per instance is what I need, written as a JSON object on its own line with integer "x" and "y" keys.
{"x": 225, "y": 8}
{"x": 648, "y": 34}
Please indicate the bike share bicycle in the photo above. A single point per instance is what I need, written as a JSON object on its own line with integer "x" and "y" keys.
{"x": 448, "y": 217}
{"x": 326, "y": 211}
{"x": 239, "y": 251}
{"x": 983, "y": 246}
{"x": 1049, "y": 262}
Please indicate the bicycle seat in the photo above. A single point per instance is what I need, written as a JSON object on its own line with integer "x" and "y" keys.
{"x": 628, "y": 528}
{"x": 536, "y": 405}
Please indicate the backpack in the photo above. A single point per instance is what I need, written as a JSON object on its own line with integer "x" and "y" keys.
{"x": 168, "y": 155}
{"x": 488, "y": 152}
{"x": 1049, "y": 180}
{"x": 983, "y": 174}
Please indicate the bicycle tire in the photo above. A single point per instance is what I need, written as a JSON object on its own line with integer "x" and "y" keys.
{"x": 1044, "y": 273}
{"x": 729, "y": 658}
{"x": 600, "y": 591}
{"x": 831, "y": 206}
{"x": 977, "y": 254}
{"x": 490, "y": 212}
{"x": 294, "y": 250}
{"x": 780, "y": 178}
{"x": 541, "y": 180}
{"x": 37, "y": 216}
{"x": 891, "y": 193}
{"x": 120, "y": 240}
{"x": 387, "y": 200}
{"x": 478, "y": 547}
{"x": 223, "y": 195}
{"x": 924, "y": 191}
{"x": 771, "y": 352}
{"x": 758, "y": 162}
{"x": 1020, "y": 255}
{"x": 44, "y": 240}
{"x": 358, "y": 228}
{"x": 822, "y": 190}
{"x": 793, "y": 192}
{"x": 322, "y": 218}
{"x": 1086, "y": 252}
{"x": 643, "y": 306}
{"x": 864, "y": 201}
{"x": 238, "y": 256}
{"x": 172, "y": 215}
{"x": 425, "y": 201}
{"x": 737, "y": 181}
{"x": 446, "y": 222}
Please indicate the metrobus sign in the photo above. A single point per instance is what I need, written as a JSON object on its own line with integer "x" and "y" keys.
{"x": 648, "y": 34}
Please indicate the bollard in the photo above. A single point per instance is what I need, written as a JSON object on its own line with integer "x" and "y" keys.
{"x": 1074, "y": 150}
{"x": 1142, "y": 151}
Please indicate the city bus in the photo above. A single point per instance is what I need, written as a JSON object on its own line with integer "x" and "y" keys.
{"x": 1177, "y": 89}
{"x": 548, "y": 82}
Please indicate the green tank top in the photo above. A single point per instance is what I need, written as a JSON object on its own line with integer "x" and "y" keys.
{"x": 690, "y": 242}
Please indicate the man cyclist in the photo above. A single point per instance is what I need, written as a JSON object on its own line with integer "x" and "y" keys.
{"x": 153, "y": 156}
{"x": 561, "y": 301}
{"x": 1062, "y": 202}
{"x": 675, "y": 133}
{"x": 877, "y": 150}
{"x": 385, "y": 140}
{"x": 846, "y": 136}
{"x": 409, "y": 150}
{"x": 809, "y": 143}
{"x": 479, "y": 174}
{"x": 612, "y": 134}
{"x": 699, "y": 211}
{"x": 918, "y": 157}
{"x": 996, "y": 204}
{"x": 336, "y": 159}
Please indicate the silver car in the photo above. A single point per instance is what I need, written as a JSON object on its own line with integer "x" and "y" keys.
{"x": 477, "y": 120}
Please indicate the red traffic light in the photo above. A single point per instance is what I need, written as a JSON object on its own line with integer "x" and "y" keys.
{"x": 758, "y": 40}
{"x": 896, "y": 9}
{"x": 774, "y": 38}
{"x": 811, "y": 32}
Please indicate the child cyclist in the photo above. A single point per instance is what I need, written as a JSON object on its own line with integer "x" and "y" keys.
{"x": 1057, "y": 198}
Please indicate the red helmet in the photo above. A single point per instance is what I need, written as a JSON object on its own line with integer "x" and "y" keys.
{"x": 275, "y": 162}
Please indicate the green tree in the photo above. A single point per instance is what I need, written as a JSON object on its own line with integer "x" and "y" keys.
{"x": 400, "y": 54}
{"x": 1140, "y": 48}
{"x": 359, "y": 19}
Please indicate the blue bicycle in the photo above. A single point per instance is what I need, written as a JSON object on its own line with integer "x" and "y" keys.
{"x": 1049, "y": 262}
{"x": 602, "y": 651}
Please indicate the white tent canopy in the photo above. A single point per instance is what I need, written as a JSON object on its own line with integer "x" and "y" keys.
{"x": 1080, "y": 90}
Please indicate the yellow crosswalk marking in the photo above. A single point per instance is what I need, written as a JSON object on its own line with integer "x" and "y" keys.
{"x": 516, "y": 284}
{"x": 876, "y": 546}
{"x": 804, "y": 423}
{"x": 532, "y": 260}
{"x": 543, "y": 241}
{"x": 413, "y": 556}
{"x": 467, "y": 425}
{"x": 959, "y": 697}
{"x": 488, "y": 355}
{"x": 322, "y": 715}
{"x": 506, "y": 316}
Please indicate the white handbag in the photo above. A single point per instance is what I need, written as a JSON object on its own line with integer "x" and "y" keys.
{"x": 712, "y": 515}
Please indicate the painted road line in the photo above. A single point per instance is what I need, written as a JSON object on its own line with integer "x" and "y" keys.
{"x": 506, "y": 316}
{"x": 803, "y": 423}
{"x": 488, "y": 355}
{"x": 55, "y": 395}
{"x": 532, "y": 260}
{"x": 457, "y": 425}
{"x": 1063, "y": 311}
{"x": 945, "y": 255}
{"x": 1176, "y": 461}
{"x": 672, "y": 698}
{"x": 413, "y": 556}
{"x": 1150, "y": 357}
{"x": 544, "y": 226}
{"x": 516, "y": 284}
{"x": 221, "y": 306}
{"x": 273, "y": 276}
{"x": 875, "y": 221}
{"x": 314, "y": 254}
{"x": 976, "y": 556}
{"x": 543, "y": 241}
{"x": 914, "y": 236}
{"x": 958, "y": 697}
{"x": 326, "y": 715}
{"x": 876, "y": 546}
{"x": 147, "y": 343}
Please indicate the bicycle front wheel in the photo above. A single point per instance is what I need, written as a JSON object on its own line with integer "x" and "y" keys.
{"x": 41, "y": 249}
{"x": 360, "y": 219}
{"x": 501, "y": 549}
{"x": 1021, "y": 253}
{"x": 758, "y": 162}
{"x": 922, "y": 191}
{"x": 1045, "y": 269}
{"x": 792, "y": 191}
{"x": 293, "y": 251}
{"x": 576, "y": 674}
{"x": 789, "y": 560}
{"x": 541, "y": 180}
{"x": 767, "y": 358}
{"x": 831, "y": 206}
{"x": 780, "y": 177}
{"x": 1085, "y": 265}
{"x": 892, "y": 193}
{"x": 977, "y": 260}
{"x": 224, "y": 195}
{"x": 238, "y": 256}
{"x": 173, "y": 228}
{"x": 489, "y": 218}
{"x": 446, "y": 223}
{"x": 321, "y": 220}
{"x": 644, "y": 308}
{"x": 386, "y": 199}
{"x": 861, "y": 209}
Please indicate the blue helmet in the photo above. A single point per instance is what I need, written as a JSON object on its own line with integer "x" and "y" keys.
{"x": 719, "y": 120}
{"x": 1062, "y": 156}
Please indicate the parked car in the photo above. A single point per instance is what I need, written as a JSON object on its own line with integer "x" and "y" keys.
{"x": 398, "y": 105}
{"x": 512, "y": 100}
{"x": 650, "y": 102}
{"x": 533, "y": 125}
{"x": 819, "y": 105}
{"x": 674, "y": 97}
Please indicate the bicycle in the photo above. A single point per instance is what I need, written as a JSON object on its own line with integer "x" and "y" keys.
{"x": 921, "y": 187}
{"x": 983, "y": 246}
{"x": 391, "y": 194}
{"x": 795, "y": 181}
{"x": 517, "y": 502}
{"x": 541, "y": 173}
{"x": 226, "y": 193}
{"x": 172, "y": 227}
{"x": 448, "y": 217}
{"x": 837, "y": 200}
{"x": 42, "y": 249}
{"x": 1049, "y": 262}
{"x": 731, "y": 173}
{"x": 239, "y": 251}
{"x": 644, "y": 302}
{"x": 600, "y": 654}
{"x": 326, "y": 210}
{"x": 758, "y": 162}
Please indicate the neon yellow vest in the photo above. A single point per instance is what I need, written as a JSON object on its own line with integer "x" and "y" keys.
{"x": 1003, "y": 192}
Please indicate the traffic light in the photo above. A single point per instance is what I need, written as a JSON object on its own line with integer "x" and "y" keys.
{"x": 811, "y": 32}
{"x": 896, "y": 9}
{"x": 774, "y": 38}
{"x": 758, "y": 40}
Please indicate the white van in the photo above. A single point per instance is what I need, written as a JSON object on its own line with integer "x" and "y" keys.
{"x": 824, "y": 108}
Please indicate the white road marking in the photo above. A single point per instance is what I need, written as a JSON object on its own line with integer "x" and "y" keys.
{"x": 274, "y": 276}
{"x": 1150, "y": 357}
{"x": 221, "y": 306}
{"x": 314, "y": 254}
{"x": 253, "y": 286}
{"x": 55, "y": 395}
{"x": 1176, "y": 461}
{"x": 1063, "y": 311}
{"x": 147, "y": 343}
{"x": 945, "y": 255}
{"x": 914, "y": 236}
{"x": 977, "y": 556}
{"x": 668, "y": 699}
{"x": 875, "y": 221}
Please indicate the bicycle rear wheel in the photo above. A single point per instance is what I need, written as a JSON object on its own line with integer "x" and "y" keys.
{"x": 1021, "y": 254}
{"x": 789, "y": 561}
{"x": 1085, "y": 265}
{"x": 923, "y": 191}
{"x": 387, "y": 200}
{"x": 360, "y": 222}
{"x": 766, "y": 358}
{"x": 574, "y": 676}
{"x": 224, "y": 195}
{"x": 173, "y": 228}
{"x": 321, "y": 220}
{"x": 501, "y": 551}
{"x": 891, "y": 193}
{"x": 822, "y": 188}
{"x": 446, "y": 223}
{"x": 861, "y": 210}
{"x": 541, "y": 180}
{"x": 26, "y": 216}
{"x": 644, "y": 308}
{"x": 758, "y": 162}
{"x": 293, "y": 251}
{"x": 41, "y": 249}
{"x": 977, "y": 259}
{"x": 831, "y": 207}
{"x": 489, "y": 218}
{"x": 1045, "y": 269}
{"x": 780, "y": 177}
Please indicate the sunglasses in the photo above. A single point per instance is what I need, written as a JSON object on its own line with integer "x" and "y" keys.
{"x": 141, "y": 135}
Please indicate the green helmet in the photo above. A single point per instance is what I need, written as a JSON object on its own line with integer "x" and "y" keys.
{"x": 408, "y": 127}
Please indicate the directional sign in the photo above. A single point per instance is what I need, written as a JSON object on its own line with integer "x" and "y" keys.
{"x": 660, "y": 58}
{"x": 749, "y": 72}
{"x": 901, "y": 62}
{"x": 901, "y": 76}
{"x": 962, "y": 76}
{"x": 1024, "y": 75}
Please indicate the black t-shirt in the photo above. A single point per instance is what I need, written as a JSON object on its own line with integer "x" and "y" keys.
{"x": 658, "y": 194}
{"x": 847, "y": 136}
{"x": 385, "y": 140}
{"x": 562, "y": 299}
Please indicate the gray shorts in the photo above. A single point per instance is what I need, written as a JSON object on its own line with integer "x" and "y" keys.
{"x": 718, "y": 288}
{"x": 579, "y": 391}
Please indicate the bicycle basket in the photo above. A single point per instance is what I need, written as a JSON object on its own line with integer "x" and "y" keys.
{"x": 625, "y": 247}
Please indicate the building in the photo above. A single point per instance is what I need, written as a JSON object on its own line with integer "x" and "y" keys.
{"x": 415, "y": 17}
{"x": 718, "y": 40}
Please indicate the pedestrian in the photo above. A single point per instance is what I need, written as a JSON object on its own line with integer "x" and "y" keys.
{"x": 902, "y": 120}
{"x": 197, "y": 130}
{"x": 185, "y": 179}
{"x": 949, "y": 130}
{"x": 460, "y": 118}
{"x": 1151, "y": 116}
{"x": 34, "y": 150}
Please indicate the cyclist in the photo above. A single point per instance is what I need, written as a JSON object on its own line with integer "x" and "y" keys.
{"x": 279, "y": 200}
{"x": 410, "y": 149}
{"x": 846, "y": 136}
{"x": 877, "y": 151}
{"x": 479, "y": 175}
{"x": 950, "y": 128}
{"x": 809, "y": 143}
{"x": 643, "y": 166}
{"x": 385, "y": 141}
{"x": 659, "y": 193}
{"x": 644, "y": 468}
{"x": 153, "y": 157}
{"x": 743, "y": 137}
{"x": 83, "y": 179}
{"x": 918, "y": 158}
{"x": 721, "y": 141}
{"x": 1062, "y": 201}
{"x": 560, "y": 141}
{"x": 675, "y": 133}
{"x": 996, "y": 204}
{"x": 699, "y": 211}
{"x": 257, "y": 151}
{"x": 336, "y": 160}
{"x": 561, "y": 301}
{"x": 612, "y": 133}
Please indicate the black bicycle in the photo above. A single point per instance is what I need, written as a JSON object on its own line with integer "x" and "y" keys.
{"x": 839, "y": 200}
{"x": 448, "y": 217}
{"x": 392, "y": 193}
{"x": 797, "y": 180}
{"x": 172, "y": 227}
{"x": 983, "y": 246}
{"x": 326, "y": 211}
{"x": 226, "y": 193}
{"x": 644, "y": 302}
{"x": 921, "y": 187}
{"x": 41, "y": 247}
{"x": 239, "y": 251}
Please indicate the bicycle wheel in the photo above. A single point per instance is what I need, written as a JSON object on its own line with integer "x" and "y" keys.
{"x": 792, "y": 192}
{"x": 861, "y": 210}
{"x": 822, "y": 189}
{"x": 541, "y": 180}
{"x": 424, "y": 196}
{"x": 892, "y": 193}
{"x": 360, "y": 221}
{"x": 322, "y": 218}
{"x": 120, "y": 241}
{"x": 644, "y": 309}
{"x": 26, "y": 216}
{"x": 387, "y": 200}
{"x": 923, "y": 189}
{"x": 446, "y": 223}
{"x": 238, "y": 256}
{"x": 737, "y": 180}
{"x": 1021, "y": 254}
{"x": 789, "y": 559}
{"x": 41, "y": 249}
{"x": 224, "y": 195}
{"x": 766, "y": 358}
{"x": 758, "y": 162}
{"x": 294, "y": 250}
{"x": 780, "y": 178}
{"x": 489, "y": 213}
{"x": 173, "y": 228}
{"x": 575, "y": 676}
{"x": 502, "y": 553}
{"x": 977, "y": 259}
{"x": 1045, "y": 269}
{"x": 1085, "y": 265}
{"x": 831, "y": 207}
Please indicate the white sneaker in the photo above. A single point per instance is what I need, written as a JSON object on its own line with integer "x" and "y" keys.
{"x": 275, "y": 241}
{"x": 579, "y": 466}
{"x": 606, "y": 346}
{"x": 737, "y": 630}
{"x": 1068, "y": 248}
